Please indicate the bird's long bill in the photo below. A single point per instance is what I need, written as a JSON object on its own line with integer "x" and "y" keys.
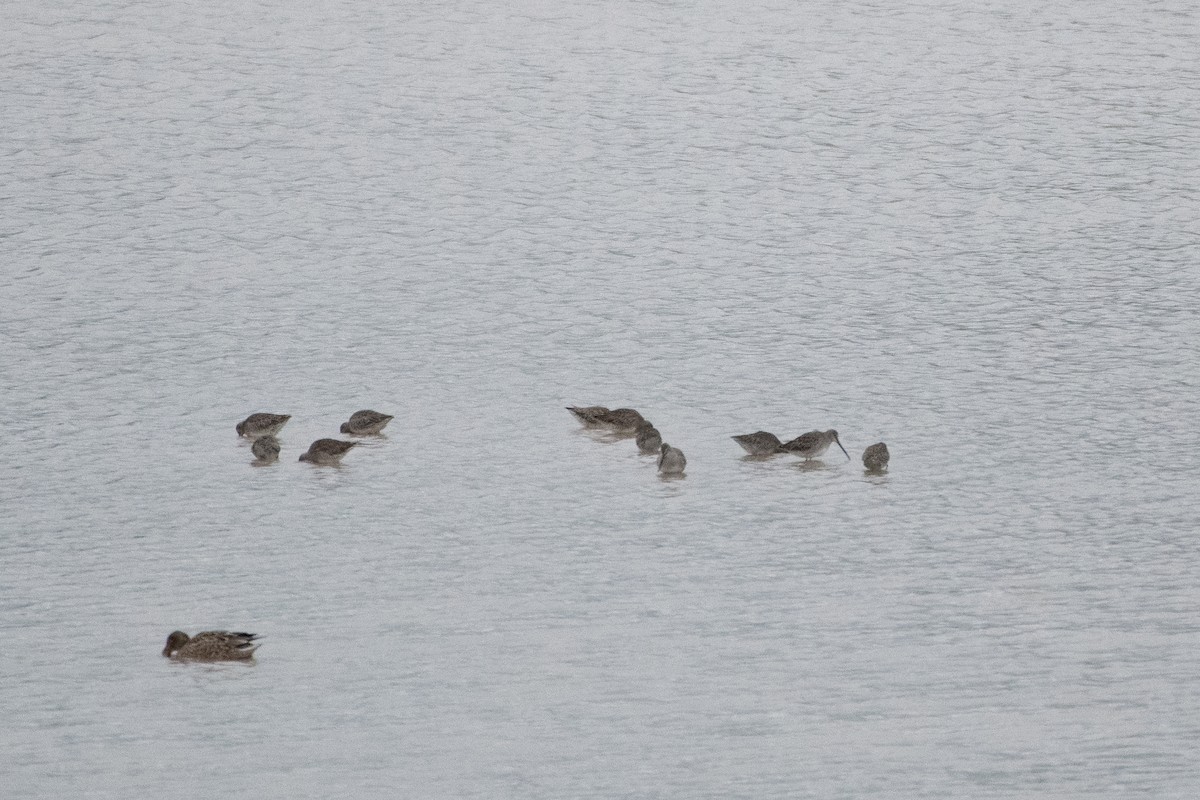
{"x": 839, "y": 444}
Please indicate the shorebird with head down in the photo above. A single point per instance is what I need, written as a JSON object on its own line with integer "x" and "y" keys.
{"x": 211, "y": 646}
{"x": 812, "y": 444}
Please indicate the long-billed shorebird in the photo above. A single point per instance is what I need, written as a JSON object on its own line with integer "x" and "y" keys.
{"x": 588, "y": 415}
{"x": 211, "y": 646}
{"x": 328, "y": 452}
{"x": 265, "y": 449}
{"x": 366, "y": 422}
{"x": 671, "y": 461}
{"x": 759, "y": 443}
{"x": 257, "y": 425}
{"x": 812, "y": 444}
{"x": 875, "y": 458}
{"x": 649, "y": 440}
{"x": 621, "y": 420}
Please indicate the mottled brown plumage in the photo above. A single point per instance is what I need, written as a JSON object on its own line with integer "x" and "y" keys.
{"x": 812, "y": 444}
{"x": 327, "y": 451}
{"x": 366, "y": 423}
{"x": 256, "y": 425}
{"x": 622, "y": 420}
{"x": 265, "y": 449}
{"x": 875, "y": 458}
{"x": 588, "y": 415}
{"x": 649, "y": 440}
{"x": 211, "y": 646}
{"x": 759, "y": 443}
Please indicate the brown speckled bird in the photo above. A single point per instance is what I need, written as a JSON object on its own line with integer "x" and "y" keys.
{"x": 211, "y": 646}
{"x": 366, "y": 423}
{"x": 327, "y": 451}
{"x": 257, "y": 425}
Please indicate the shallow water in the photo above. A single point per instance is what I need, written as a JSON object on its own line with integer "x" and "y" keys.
{"x": 969, "y": 231}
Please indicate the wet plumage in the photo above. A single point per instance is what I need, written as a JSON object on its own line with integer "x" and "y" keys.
{"x": 366, "y": 422}
{"x": 759, "y": 443}
{"x": 875, "y": 457}
{"x": 812, "y": 444}
{"x": 671, "y": 460}
{"x": 211, "y": 646}
{"x": 327, "y": 451}
{"x": 256, "y": 425}
{"x": 649, "y": 440}
{"x": 265, "y": 448}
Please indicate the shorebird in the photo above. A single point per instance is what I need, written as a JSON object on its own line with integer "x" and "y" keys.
{"x": 327, "y": 451}
{"x": 875, "y": 457}
{"x": 671, "y": 461}
{"x": 648, "y": 438}
{"x": 812, "y": 444}
{"x": 366, "y": 422}
{"x": 622, "y": 420}
{"x": 257, "y": 425}
{"x": 265, "y": 449}
{"x": 588, "y": 415}
{"x": 759, "y": 443}
{"x": 211, "y": 646}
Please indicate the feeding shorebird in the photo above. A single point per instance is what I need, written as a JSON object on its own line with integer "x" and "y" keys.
{"x": 211, "y": 646}
{"x": 875, "y": 458}
{"x": 256, "y": 425}
{"x": 671, "y": 461}
{"x": 759, "y": 443}
{"x": 622, "y": 420}
{"x": 265, "y": 449}
{"x": 588, "y": 415}
{"x": 812, "y": 444}
{"x": 649, "y": 440}
{"x": 327, "y": 451}
{"x": 366, "y": 422}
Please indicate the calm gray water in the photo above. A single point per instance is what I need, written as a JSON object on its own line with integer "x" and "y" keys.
{"x": 971, "y": 230}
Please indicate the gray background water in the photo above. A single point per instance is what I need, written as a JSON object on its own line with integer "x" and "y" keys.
{"x": 968, "y": 229}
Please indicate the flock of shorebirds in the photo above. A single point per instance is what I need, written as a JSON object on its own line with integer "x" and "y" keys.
{"x": 262, "y": 429}
{"x": 760, "y": 443}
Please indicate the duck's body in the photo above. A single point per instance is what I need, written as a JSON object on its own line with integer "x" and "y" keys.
{"x": 366, "y": 423}
{"x": 671, "y": 460}
{"x": 327, "y": 451}
{"x": 265, "y": 449}
{"x": 875, "y": 458}
{"x": 257, "y": 425}
{"x": 649, "y": 440}
{"x": 211, "y": 646}
{"x": 759, "y": 443}
{"x": 812, "y": 444}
